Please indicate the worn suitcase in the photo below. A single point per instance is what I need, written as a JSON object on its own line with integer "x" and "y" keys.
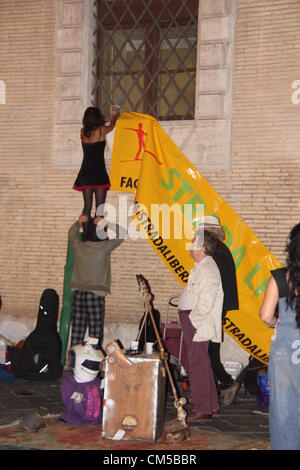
{"x": 134, "y": 398}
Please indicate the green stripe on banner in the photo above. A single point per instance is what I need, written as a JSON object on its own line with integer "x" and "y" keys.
{"x": 66, "y": 313}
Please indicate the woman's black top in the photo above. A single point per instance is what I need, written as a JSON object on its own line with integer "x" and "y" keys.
{"x": 279, "y": 276}
{"x": 92, "y": 173}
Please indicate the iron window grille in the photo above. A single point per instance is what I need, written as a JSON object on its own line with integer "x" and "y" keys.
{"x": 146, "y": 56}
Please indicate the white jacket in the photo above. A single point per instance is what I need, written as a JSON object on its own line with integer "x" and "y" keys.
{"x": 205, "y": 290}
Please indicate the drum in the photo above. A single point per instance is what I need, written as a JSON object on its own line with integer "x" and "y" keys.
{"x": 134, "y": 398}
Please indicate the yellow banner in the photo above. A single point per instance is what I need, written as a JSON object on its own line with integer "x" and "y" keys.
{"x": 147, "y": 161}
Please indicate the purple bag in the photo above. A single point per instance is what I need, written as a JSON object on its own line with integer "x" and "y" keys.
{"x": 87, "y": 409}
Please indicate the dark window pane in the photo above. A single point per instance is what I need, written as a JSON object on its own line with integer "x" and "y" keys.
{"x": 147, "y": 56}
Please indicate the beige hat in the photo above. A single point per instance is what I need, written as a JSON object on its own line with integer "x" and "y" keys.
{"x": 207, "y": 220}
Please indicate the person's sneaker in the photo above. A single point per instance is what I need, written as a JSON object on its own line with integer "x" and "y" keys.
{"x": 229, "y": 393}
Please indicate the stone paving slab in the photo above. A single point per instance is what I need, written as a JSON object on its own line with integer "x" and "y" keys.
{"x": 242, "y": 425}
{"x": 62, "y": 436}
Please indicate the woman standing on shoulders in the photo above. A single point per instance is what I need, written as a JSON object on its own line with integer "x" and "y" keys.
{"x": 92, "y": 177}
{"x": 284, "y": 363}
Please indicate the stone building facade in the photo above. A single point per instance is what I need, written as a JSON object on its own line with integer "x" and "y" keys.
{"x": 244, "y": 139}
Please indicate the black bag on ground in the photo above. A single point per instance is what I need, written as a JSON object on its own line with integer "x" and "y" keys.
{"x": 40, "y": 356}
{"x": 248, "y": 376}
{"x": 148, "y": 334}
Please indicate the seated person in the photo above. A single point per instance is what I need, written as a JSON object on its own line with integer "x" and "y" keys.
{"x": 40, "y": 356}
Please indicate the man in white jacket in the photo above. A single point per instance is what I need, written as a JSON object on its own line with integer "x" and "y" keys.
{"x": 200, "y": 315}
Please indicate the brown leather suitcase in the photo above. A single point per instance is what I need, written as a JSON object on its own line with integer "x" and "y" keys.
{"x": 134, "y": 398}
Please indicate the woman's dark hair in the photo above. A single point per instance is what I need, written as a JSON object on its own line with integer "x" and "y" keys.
{"x": 92, "y": 119}
{"x": 293, "y": 267}
{"x": 91, "y": 235}
{"x": 91, "y": 232}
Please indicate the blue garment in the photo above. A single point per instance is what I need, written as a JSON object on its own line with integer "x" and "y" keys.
{"x": 6, "y": 376}
{"x": 284, "y": 376}
{"x": 263, "y": 388}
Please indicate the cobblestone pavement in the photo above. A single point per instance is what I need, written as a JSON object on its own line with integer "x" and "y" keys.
{"x": 242, "y": 425}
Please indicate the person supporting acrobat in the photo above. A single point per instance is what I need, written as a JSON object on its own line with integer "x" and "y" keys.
{"x": 91, "y": 276}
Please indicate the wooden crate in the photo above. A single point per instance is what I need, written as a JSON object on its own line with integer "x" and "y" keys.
{"x": 134, "y": 399}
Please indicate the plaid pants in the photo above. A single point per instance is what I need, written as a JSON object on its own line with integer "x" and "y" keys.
{"x": 87, "y": 309}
